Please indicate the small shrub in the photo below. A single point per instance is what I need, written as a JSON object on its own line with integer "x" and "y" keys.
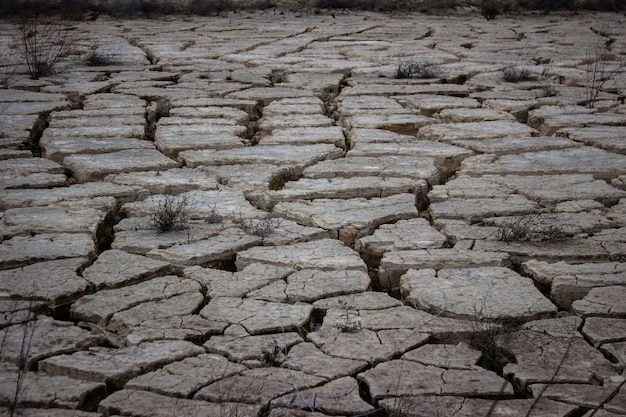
{"x": 518, "y": 74}
{"x": 28, "y": 325}
{"x": 214, "y": 216}
{"x": 172, "y": 213}
{"x": 417, "y": 69}
{"x": 7, "y": 67}
{"x": 489, "y": 9}
{"x": 349, "y": 324}
{"x": 487, "y": 339}
{"x": 273, "y": 354}
{"x": 601, "y": 66}
{"x": 534, "y": 228}
{"x": 96, "y": 57}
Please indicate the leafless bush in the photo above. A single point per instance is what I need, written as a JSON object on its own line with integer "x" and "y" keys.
{"x": 601, "y": 66}
{"x": 172, "y": 213}
{"x": 417, "y": 69}
{"x": 42, "y": 43}
{"x": 8, "y": 66}
{"x": 488, "y": 331}
{"x": 28, "y": 330}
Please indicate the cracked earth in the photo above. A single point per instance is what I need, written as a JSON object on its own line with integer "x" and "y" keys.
{"x": 356, "y": 244}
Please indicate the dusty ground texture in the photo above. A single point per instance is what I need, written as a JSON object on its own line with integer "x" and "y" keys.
{"x": 352, "y": 243}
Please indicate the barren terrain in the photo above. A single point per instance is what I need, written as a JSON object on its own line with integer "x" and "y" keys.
{"x": 252, "y": 215}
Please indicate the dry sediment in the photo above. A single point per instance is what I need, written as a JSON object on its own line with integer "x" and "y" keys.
{"x": 349, "y": 243}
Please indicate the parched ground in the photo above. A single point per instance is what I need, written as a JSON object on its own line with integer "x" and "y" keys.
{"x": 354, "y": 244}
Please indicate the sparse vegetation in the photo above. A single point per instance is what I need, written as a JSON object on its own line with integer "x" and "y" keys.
{"x": 121, "y": 8}
{"x": 377, "y": 5}
{"x": 28, "y": 324}
{"x": 533, "y": 228}
{"x": 216, "y": 7}
{"x": 159, "y": 7}
{"x": 96, "y": 57}
{"x": 603, "y": 5}
{"x": 518, "y": 74}
{"x": 601, "y": 66}
{"x": 487, "y": 333}
{"x": 273, "y": 354}
{"x": 262, "y": 228}
{"x": 210, "y": 7}
{"x": 42, "y": 43}
{"x": 91, "y": 9}
{"x": 417, "y": 69}
{"x": 489, "y": 9}
{"x": 350, "y": 323}
{"x": 550, "y": 5}
{"x": 172, "y": 213}
{"x": 7, "y": 66}
{"x": 546, "y": 4}
{"x": 214, "y": 216}
{"x": 76, "y": 9}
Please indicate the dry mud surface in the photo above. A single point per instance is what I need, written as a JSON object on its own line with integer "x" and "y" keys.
{"x": 357, "y": 244}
